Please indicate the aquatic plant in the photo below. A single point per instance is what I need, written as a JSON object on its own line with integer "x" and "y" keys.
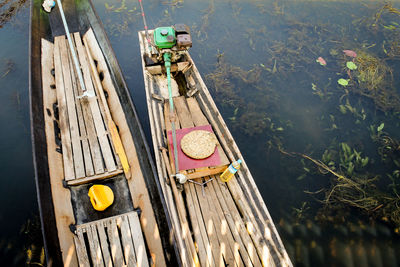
{"x": 11, "y": 9}
{"x": 8, "y": 66}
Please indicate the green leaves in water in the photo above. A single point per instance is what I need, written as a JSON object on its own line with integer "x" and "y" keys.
{"x": 351, "y": 65}
{"x": 380, "y": 127}
{"x": 343, "y": 82}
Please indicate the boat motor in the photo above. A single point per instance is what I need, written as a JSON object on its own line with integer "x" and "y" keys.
{"x": 173, "y": 40}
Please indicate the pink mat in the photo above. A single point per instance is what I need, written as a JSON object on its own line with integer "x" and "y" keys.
{"x": 185, "y": 162}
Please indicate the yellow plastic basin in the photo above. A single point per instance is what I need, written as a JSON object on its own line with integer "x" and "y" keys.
{"x": 101, "y": 196}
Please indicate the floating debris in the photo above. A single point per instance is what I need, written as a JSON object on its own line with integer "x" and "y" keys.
{"x": 321, "y": 61}
{"x": 350, "y": 53}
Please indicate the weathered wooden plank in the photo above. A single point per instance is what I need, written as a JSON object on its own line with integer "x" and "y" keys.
{"x": 240, "y": 213}
{"x": 63, "y": 209}
{"x": 199, "y": 230}
{"x": 197, "y": 115}
{"x": 81, "y": 251}
{"x": 210, "y": 227}
{"x": 115, "y": 243}
{"x": 87, "y": 113}
{"x": 116, "y": 143}
{"x": 95, "y": 177}
{"x": 127, "y": 242}
{"x": 237, "y": 227}
{"x": 138, "y": 241}
{"x": 72, "y": 118}
{"x": 95, "y": 251}
{"x": 84, "y": 137}
{"x": 228, "y": 227}
{"x": 95, "y": 110}
{"x": 184, "y": 116}
{"x": 220, "y": 228}
{"x": 104, "y": 244}
{"x": 68, "y": 160}
{"x": 95, "y": 241}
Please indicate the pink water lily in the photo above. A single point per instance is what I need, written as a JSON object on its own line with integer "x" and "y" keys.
{"x": 350, "y": 53}
{"x": 321, "y": 61}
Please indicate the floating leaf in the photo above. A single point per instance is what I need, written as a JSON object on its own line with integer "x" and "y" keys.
{"x": 313, "y": 86}
{"x": 350, "y": 53}
{"x": 342, "y": 109}
{"x": 351, "y": 66}
{"x": 343, "y": 82}
{"x": 380, "y": 127}
{"x": 321, "y": 61}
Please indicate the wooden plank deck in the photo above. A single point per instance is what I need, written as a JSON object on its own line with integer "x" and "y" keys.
{"x": 115, "y": 241}
{"x": 218, "y": 229}
{"x": 87, "y": 146}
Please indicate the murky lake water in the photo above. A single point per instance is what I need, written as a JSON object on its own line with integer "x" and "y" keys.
{"x": 306, "y": 138}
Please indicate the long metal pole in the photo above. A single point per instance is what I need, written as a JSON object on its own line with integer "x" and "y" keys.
{"x": 145, "y": 25}
{"x": 71, "y": 46}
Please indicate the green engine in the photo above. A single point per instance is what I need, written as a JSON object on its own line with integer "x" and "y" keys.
{"x": 164, "y": 37}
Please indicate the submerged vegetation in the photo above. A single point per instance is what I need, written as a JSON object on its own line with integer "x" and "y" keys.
{"x": 8, "y": 9}
{"x": 355, "y": 153}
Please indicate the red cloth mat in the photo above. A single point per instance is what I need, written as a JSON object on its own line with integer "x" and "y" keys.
{"x": 185, "y": 162}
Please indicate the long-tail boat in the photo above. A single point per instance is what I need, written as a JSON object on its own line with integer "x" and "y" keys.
{"x": 86, "y": 135}
{"x": 216, "y": 223}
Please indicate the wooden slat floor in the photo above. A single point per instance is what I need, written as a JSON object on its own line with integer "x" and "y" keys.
{"x": 220, "y": 233}
{"x": 115, "y": 241}
{"x": 86, "y": 145}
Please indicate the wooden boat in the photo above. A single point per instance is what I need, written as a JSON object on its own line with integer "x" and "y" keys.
{"x": 95, "y": 139}
{"x": 216, "y": 223}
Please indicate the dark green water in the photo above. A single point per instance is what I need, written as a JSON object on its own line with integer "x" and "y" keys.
{"x": 259, "y": 60}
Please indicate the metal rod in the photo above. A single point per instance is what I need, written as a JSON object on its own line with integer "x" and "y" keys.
{"x": 167, "y": 60}
{"x": 71, "y": 46}
{"x": 145, "y": 24}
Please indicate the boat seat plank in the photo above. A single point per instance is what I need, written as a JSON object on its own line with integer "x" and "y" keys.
{"x": 70, "y": 105}
{"x": 89, "y": 170}
{"x": 81, "y": 249}
{"x": 95, "y": 249}
{"x": 114, "y": 241}
{"x": 127, "y": 242}
{"x": 137, "y": 236}
{"x": 69, "y": 172}
{"x": 101, "y": 130}
{"x": 104, "y": 244}
{"x": 87, "y": 113}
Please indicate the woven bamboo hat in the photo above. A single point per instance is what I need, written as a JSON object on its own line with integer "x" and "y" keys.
{"x": 199, "y": 144}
